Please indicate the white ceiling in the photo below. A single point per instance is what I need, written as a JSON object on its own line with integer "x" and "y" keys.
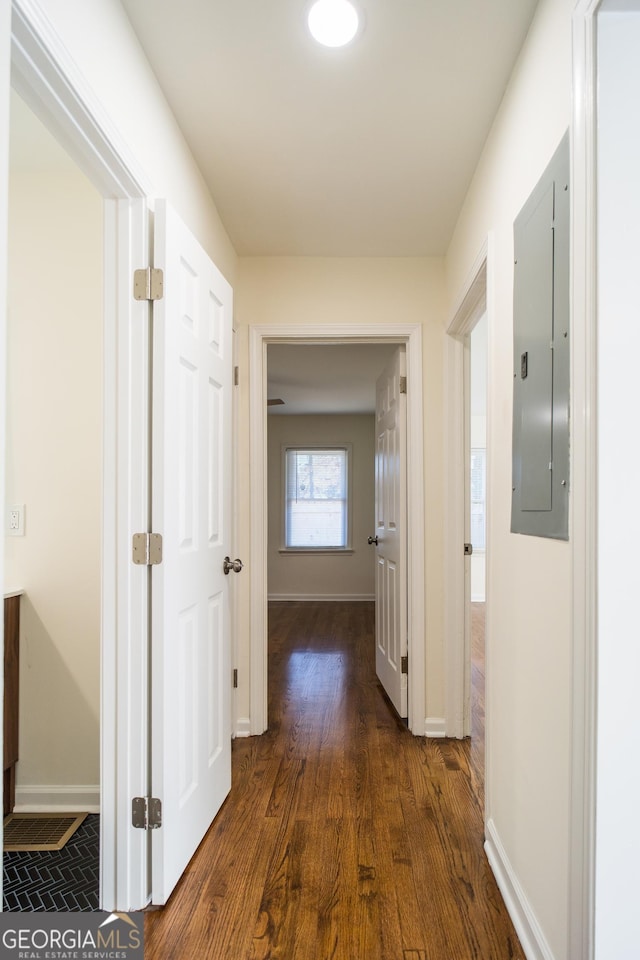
{"x": 325, "y": 378}
{"x": 366, "y": 150}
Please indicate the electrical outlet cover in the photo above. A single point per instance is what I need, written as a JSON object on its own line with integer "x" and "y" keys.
{"x": 15, "y": 520}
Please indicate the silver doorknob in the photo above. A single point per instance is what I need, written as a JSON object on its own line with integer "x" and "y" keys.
{"x": 373, "y": 540}
{"x": 229, "y": 565}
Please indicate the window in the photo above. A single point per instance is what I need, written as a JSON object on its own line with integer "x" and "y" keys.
{"x": 316, "y": 488}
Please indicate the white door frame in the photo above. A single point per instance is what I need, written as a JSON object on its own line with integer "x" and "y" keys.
{"x": 48, "y": 80}
{"x": 259, "y": 338}
{"x": 472, "y": 305}
{"x": 5, "y": 60}
{"x": 583, "y": 482}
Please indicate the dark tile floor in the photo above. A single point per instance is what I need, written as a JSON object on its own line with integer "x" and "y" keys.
{"x": 56, "y": 880}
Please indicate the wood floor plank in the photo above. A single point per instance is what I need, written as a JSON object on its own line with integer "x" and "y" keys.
{"x": 344, "y": 836}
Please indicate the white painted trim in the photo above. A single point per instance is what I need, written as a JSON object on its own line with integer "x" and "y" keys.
{"x": 47, "y": 77}
{"x": 5, "y": 59}
{"x": 321, "y": 598}
{"x": 258, "y": 697}
{"x": 259, "y": 337}
{"x": 583, "y": 517}
{"x": 124, "y": 700}
{"x": 435, "y": 727}
{"x": 239, "y": 726}
{"x": 454, "y": 527}
{"x": 67, "y": 798}
{"x": 491, "y": 312}
{"x": 524, "y": 920}
{"x": 472, "y": 301}
{"x": 243, "y": 727}
{"x": 472, "y": 304}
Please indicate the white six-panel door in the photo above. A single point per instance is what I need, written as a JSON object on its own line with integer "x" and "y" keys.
{"x": 391, "y": 549}
{"x": 191, "y": 497}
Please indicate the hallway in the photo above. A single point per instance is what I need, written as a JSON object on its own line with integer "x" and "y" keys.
{"x": 344, "y": 836}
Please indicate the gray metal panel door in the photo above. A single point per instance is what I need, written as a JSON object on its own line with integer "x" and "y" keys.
{"x": 541, "y": 356}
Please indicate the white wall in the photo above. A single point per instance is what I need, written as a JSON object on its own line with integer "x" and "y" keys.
{"x": 618, "y": 841}
{"x": 350, "y": 291}
{"x": 350, "y": 575}
{"x": 529, "y": 579}
{"x": 54, "y": 467}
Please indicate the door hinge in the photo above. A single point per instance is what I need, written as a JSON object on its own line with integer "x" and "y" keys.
{"x": 403, "y": 384}
{"x": 236, "y": 376}
{"x": 468, "y": 549}
{"x": 147, "y": 549}
{"x": 148, "y": 284}
{"x": 146, "y": 813}
{"x": 404, "y": 664}
{"x": 235, "y": 679}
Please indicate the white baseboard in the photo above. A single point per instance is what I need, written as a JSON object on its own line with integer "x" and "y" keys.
{"x": 71, "y": 798}
{"x": 435, "y": 727}
{"x": 524, "y": 920}
{"x": 243, "y": 727}
{"x": 305, "y": 598}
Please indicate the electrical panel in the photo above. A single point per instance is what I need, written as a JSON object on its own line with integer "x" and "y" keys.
{"x": 540, "y": 467}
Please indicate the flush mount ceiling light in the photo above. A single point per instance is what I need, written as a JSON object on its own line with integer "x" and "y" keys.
{"x": 333, "y": 23}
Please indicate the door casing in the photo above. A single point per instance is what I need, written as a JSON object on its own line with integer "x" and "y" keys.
{"x": 472, "y": 305}
{"x": 260, "y": 336}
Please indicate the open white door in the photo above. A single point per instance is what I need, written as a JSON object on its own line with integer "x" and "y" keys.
{"x": 191, "y": 497}
{"x": 391, "y": 541}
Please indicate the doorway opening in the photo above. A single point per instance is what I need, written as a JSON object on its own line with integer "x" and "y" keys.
{"x": 460, "y": 441}
{"x": 476, "y": 501}
{"x": 53, "y": 486}
{"x": 261, "y": 338}
{"x": 328, "y": 470}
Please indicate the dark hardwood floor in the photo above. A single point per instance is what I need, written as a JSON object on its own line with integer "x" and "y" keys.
{"x": 344, "y": 836}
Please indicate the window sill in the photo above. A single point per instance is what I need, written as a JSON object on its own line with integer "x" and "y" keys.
{"x": 315, "y": 551}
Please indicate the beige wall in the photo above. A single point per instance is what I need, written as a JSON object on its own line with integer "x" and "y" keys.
{"x": 351, "y": 291}
{"x": 54, "y": 467}
{"x": 326, "y": 575}
{"x": 529, "y": 579}
{"x": 102, "y": 44}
